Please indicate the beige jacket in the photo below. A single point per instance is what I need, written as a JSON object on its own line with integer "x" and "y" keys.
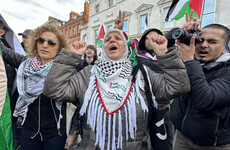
{"x": 3, "y": 85}
{"x": 63, "y": 84}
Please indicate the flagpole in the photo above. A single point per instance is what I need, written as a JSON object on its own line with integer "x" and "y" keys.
{"x": 202, "y": 10}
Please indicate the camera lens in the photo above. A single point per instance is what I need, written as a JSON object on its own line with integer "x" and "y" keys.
{"x": 177, "y": 33}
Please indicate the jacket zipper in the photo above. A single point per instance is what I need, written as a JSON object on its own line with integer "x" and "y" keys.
{"x": 217, "y": 132}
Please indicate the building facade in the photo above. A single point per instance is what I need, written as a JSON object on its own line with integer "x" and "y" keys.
{"x": 141, "y": 12}
{"x": 54, "y": 21}
{"x": 71, "y": 28}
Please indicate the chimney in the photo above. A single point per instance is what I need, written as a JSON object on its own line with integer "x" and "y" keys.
{"x": 72, "y": 15}
{"x": 86, "y": 11}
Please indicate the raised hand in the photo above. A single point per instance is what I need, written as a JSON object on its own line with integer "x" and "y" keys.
{"x": 158, "y": 43}
{"x": 78, "y": 47}
{"x": 119, "y": 22}
{"x": 191, "y": 22}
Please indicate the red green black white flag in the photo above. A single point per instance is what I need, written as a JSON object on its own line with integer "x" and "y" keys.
{"x": 100, "y": 36}
{"x": 179, "y": 7}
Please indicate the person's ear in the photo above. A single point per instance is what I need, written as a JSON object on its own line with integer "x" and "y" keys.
{"x": 2, "y": 32}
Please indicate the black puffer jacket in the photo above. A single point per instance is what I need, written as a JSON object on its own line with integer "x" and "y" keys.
{"x": 203, "y": 114}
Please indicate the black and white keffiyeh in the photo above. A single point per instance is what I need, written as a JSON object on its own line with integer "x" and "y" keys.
{"x": 30, "y": 82}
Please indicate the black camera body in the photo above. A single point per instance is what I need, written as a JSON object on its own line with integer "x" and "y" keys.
{"x": 182, "y": 36}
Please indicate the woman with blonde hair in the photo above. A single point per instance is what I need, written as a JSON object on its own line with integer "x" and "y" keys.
{"x": 43, "y": 118}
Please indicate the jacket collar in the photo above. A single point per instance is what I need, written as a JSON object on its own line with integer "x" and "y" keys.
{"x": 222, "y": 59}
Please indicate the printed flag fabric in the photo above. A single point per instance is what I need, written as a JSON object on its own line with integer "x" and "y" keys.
{"x": 11, "y": 39}
{"x": 100, "y": 36}
{"x": 6, "y": 137}
{"x": 179, "y": 7}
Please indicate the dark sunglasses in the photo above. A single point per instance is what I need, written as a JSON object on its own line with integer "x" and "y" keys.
{"x": 50, "y": 42}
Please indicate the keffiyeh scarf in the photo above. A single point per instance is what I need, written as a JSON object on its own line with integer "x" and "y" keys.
{"x": 111, "y": 92}
{"x": 30, "y": 82}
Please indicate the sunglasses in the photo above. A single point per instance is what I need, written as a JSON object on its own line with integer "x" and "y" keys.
{"x": 50, "y": 42}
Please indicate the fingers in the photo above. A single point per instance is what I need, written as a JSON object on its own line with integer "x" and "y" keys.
{"x": 119, "y": 14}
{"x": 186, "y": 15}
{"x": 82, "y": 44}
{"x": 159, "y": 39}
{"x": 191, "y": 13}
{"x": 67, "y": 145}
{"x": 123, "y": 18}
{"x": 192, "y": 41}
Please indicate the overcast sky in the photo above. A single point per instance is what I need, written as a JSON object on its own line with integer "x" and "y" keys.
{"x": 29, "y": 14}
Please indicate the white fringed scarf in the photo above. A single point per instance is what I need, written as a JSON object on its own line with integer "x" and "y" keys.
{"x": 111, "y": 91}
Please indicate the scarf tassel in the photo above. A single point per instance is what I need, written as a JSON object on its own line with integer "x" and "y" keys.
{"x": 97, "y": 117}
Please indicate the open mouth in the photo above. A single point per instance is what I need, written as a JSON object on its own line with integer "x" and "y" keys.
{"x": 203, "y": 53}
{"x": 113, "y": 47}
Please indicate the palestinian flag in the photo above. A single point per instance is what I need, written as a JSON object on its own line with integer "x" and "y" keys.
{"x": 179, "y": 7}
{"x": 6, "y": 137}
{"x": 100, "y": 36}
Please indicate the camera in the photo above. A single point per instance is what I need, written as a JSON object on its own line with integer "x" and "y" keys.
{"x": 182, "y": 36}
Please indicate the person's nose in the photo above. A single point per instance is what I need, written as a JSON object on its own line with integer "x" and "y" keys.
{"x": 204, "y": 44}
{"x": 112, "y": 40}
{"x": 45, "y": 44}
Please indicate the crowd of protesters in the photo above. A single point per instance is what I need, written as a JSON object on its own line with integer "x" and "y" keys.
{"x": 143, "y": 95}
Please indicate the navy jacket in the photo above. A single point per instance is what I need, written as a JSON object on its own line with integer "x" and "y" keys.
{"x": 203, "y": 114}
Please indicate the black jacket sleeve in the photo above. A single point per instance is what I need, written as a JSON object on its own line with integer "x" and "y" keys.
{"x": 11, "y": 57}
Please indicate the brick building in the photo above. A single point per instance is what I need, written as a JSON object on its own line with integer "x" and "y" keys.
{"x": 54, "y": 21}
{"x": 71, "y": 28}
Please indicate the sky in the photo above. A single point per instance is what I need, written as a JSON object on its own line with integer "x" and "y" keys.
{"x": 29, "y": 14}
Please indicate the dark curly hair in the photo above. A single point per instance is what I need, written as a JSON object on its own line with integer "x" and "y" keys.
{"x": 31, "y": 45}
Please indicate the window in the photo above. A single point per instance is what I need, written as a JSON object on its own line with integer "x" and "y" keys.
{"x": 110, "y": 27}
{"x": 97, "y": 8}
{"x": 85, "y": 38}
{"x": 169, "y": 23}
{"x": 96, "y": 35}
{"x": 143, "y": 23}
{"x": 79, "y": 28}
{"x": 66, "y": 32}
{"x": 208, "y": 13}
{"x": 74, "y": 30}
{"x": 69, "y": 31}
{"x": 110, "y": 3}
{"x": 125, "y": 26}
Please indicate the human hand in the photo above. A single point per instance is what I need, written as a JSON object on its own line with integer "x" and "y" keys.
{"x": 191, "y": 22}
{"x": 187, "y": 52}
{"x": 69, "y": 141}
{"x": 78, "y": 47}
{"x": 158, "y": 43}
{"x": 119, "y": 22}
